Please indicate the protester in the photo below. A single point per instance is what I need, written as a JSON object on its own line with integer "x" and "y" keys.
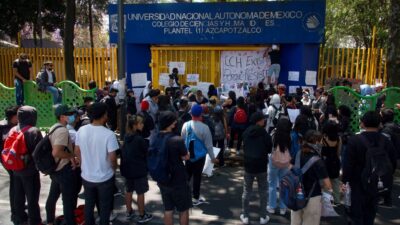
{"x": 131, "y": 102}
{"x": 391, "y": 130}
{"x": 312, "y": 180}
{"x": 9, "y": 122}
{"x": 331, "y": 146}
{"x": 238, "y": 121}
{"x": 46, "y": 80}
{"x": 134, "y": 168}
{"x": 200, "y": 99}
{"x": 364, "y": 204}
{"x": 279, "y": 162}
{"x": 257, "y": 146}
{"x": 152, "y": 99}
{"x": 275, "y": 68}
{"x": 274, "y": 109}
{"x": 306, "y": 100}
{"x": 147, "y": 120}
{"x": 220, "y": 133}
{"x": 98, "y": 163}
{"x": 174, "y": 76}
{"x": 175, "y": 193}
{"x": 317, "y": 103}
{"x": 198, "y": 141}
{"x": 27, "y": 180}
{"x": 297, "y": 134}
{"x": 99, "y": 93}
{"x": 230, "y": 102}
{"x": 64, "y": 180}
{"x": 146, "y": 90}
{"x": 112, "y": 109}
{"x": 183, "y": 114}
{"x": 212, "y": 91}
{"x": 22, "y": 68}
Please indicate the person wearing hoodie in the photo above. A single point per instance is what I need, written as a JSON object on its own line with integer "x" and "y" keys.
{"x": 275, "y": 107}
{"x": 257, "y": 146}
{"x": 134, "y": 167}
{"x": 146, "y": 90}
{"x": 152, "y": 99}
{"x": 27, "y": 180}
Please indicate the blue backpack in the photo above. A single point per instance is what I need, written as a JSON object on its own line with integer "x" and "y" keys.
{"x": 195, "y": 146}
{"x": 157, "y": 160}
{"x": 291, "y": 185}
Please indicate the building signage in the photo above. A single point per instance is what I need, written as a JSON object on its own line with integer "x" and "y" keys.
{"x": 221, "y": 23}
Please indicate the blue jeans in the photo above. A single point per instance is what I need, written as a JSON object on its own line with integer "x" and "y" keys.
{"x": 103, "y": 193}
{"x": 274, "y": 176}
{"x": 274, "y": 70}
{"x": 19, "y": 91}
{"x": 56, "y": 95}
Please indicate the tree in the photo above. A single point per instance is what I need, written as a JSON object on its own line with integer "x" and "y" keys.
{"x": 393, "y": 56}
{"x": 69, "y": 40}
{"x": 354, "y": 20}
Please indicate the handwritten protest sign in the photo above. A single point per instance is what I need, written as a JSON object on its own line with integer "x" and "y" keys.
{"x": 243, "y": 66}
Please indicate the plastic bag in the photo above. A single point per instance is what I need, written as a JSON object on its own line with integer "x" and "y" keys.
{"x": 327, "y": 209}
{"x": 208, "y": 165}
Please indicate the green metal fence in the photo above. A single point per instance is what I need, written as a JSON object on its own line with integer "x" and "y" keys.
{"x": 43, "y": 102}
{"x": 360, "y": 104}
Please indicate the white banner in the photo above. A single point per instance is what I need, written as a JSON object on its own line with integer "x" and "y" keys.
{"x": 244, "y": 66}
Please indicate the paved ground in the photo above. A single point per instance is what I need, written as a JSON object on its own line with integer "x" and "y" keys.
{"x": 223, "y": 192}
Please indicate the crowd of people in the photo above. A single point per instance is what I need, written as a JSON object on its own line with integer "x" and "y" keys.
{"x": 170, "y": 133}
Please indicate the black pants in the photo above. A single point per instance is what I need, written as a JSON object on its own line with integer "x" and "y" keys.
{"x": 66, "y": 182}
{"x": 104, "y": 194}
{"x": 363, "y": 207}
{"x": 220, "y": 144}
{"x": 27, "y": 187}
{"x": 239, "y": 132}
{"x": 11, "y": 192}
{"x": 195, "y": 169}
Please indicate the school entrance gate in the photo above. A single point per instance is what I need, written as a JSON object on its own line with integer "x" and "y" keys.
{"x": 193, "y": 37}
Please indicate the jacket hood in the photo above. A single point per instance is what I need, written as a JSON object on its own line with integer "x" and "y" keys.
{"x": 27, "y": 116}
{"x": 275, "y": 100}
{"x": 255, "y": 131}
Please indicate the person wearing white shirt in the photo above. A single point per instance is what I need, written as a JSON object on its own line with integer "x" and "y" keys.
{"x": 95, "y": 147}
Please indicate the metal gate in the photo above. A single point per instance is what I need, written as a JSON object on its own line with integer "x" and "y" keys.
{"x": 202, "y": 60}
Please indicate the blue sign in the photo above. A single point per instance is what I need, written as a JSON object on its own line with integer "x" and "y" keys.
{"x": 221, "y": 23}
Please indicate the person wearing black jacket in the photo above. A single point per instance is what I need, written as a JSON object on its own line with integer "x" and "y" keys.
{"x": 131, "y": 103}
{"x": 112, "y": 109}
{"x": 364, "y": 205}
{"x": 27, "y": 180}
{"x": 392, "y": 131}
{"x": 5, "y": 126}
{"x": 134, "y": 167}
{"x": 148, "y": 120}
{"x": 257, "y": 146}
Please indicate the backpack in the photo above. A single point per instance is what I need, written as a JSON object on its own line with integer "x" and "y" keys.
{"x": 291, "y": 185}
{"x": 79, "y": 217}
{"x": 195, "y": 146}
{"x": 43, "y": 157}
{"x": 280, "y": 159}
{"x": 15, "y": 153}
{"x": 378, "y": 171}
{"x": 219, "y": 131}
{"x": 278, "y": 114}
{"x": 240, "y": 116}
{"x": 157, "y": 160}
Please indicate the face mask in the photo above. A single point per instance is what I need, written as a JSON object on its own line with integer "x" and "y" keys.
{"x": 71, "y": 119}
{"x": 316, "y": 147}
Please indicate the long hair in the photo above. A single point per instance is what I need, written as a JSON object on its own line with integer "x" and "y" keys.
{"x": 331, "y": 130}
{"x": 131, "y": 122}
{"x": 282, "y": 134}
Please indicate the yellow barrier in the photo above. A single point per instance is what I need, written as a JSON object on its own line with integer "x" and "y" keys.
{"x": 99, "y": 64}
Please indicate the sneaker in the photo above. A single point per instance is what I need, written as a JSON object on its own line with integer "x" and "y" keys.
{"x": 199, "y": 201}
{"x": 245, "y": 220}
{"x": 145, "y": 218}
{"x": 282, "y": 212}
{"x": 113, "y": 216}
{"x": 270, "y": 210}
{"x": 129, "y": 215}
{"x": 264, "y": 220}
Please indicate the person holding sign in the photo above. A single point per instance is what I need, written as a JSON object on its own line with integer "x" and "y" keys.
{"x": 174, "y": 76}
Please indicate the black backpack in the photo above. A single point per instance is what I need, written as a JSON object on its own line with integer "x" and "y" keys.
{"x": 43, "y": 157}
{"x": 378, "y": 171}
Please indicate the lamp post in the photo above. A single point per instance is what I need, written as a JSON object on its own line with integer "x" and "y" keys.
{"x": 121, "y": 66}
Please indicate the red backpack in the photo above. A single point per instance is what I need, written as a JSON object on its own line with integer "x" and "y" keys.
{"x": 14, "y": 154}
{"x": 240, "y": 116}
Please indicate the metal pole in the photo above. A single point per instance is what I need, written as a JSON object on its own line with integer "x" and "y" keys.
{"x": 121, "y": 65}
